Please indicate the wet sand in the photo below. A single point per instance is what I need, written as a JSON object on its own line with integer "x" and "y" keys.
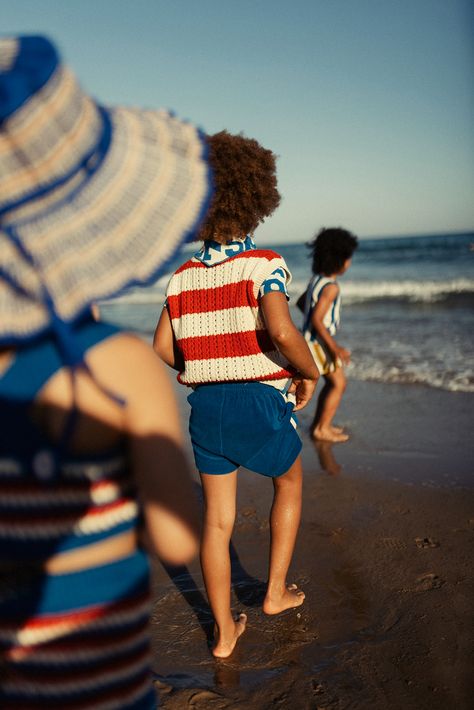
{"x": 386, "y": 565}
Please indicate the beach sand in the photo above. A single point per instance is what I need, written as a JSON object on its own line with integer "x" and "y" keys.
{"x": 383, "y": 554}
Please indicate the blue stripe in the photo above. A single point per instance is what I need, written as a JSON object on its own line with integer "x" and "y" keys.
{"x": 90, "y": 163}
{"x": 62, "y": 593}
{"x": 34, "y": 64}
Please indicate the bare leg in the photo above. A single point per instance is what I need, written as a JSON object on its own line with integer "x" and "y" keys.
{"x": 219, "y": 517}
{"x": 333, "y": 391}
{"x": 284, "y": 522}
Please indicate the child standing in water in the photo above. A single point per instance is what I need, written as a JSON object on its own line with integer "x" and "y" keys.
{"x": 226, "y": 327}
{"x": 332, "y": 251}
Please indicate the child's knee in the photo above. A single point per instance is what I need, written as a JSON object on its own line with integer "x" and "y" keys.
{"x": 222, "y": 521}
{"x": 339, "y": 381}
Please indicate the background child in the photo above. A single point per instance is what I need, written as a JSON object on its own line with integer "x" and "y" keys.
{"x": 332, "y": 251}
{"x": 226, "y": 327}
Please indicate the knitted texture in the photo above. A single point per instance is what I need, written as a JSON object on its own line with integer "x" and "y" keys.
{"x": 218, "y": 324}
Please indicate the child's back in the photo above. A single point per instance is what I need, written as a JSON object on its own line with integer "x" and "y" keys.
{"x": 213, "y": 302}
{"x": 227, "y": 329}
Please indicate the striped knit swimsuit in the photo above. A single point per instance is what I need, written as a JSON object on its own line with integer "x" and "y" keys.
{"x": 78, "y": 640}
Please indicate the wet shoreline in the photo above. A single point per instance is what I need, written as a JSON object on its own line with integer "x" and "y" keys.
{"x": 386, "y": 569}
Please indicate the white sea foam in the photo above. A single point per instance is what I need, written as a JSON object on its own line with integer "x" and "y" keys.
{"x": 409, "y": 290}
{"x": 378, "y": 371}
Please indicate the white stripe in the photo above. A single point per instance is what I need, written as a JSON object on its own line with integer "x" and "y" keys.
{"x": 9, "y": 48}
{"x": 230, "y": 320}
{"x": 94, "y": 471}
{"x": 87, "y": 525}
{"x": 245, "y": 367}
{"x": 64, "y": 627}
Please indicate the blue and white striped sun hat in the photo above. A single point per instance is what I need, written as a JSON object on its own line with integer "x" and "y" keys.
{"x": 92, "y": 199}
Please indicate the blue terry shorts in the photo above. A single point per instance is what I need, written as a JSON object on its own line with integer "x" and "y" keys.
{"x": 242, "y": 424}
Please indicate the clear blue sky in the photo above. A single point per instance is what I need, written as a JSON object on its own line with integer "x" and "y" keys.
{"x": 369, "y": 104}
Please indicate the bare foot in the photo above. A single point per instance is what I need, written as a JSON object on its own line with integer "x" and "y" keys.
{"x": 291, "y": 598}
{"x": 223, "y": 647}
{"x": 337, "y": 429}
{"x": 328, "y": 434}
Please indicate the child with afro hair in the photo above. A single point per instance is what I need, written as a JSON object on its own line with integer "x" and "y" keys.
{"x": 331, "y": 251}
{"x": 227, "y": 329}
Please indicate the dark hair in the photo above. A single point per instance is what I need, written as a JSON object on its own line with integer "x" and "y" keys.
{"x": 330, "y": 248}
{"x": 245, "y": 186}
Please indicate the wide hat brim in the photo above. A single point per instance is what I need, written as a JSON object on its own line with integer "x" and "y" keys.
{"x": 119, "y": 228}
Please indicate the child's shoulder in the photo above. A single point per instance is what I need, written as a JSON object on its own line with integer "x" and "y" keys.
{"x": 320, "y": 284}
{"x": 191, "y": 263}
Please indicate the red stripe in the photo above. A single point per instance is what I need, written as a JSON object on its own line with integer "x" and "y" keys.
{"x": 212, "y": 299}
{"x": 228, "y": 345}
{"x": 90, "y": 641}
{"x": 190, "y": 265}
{"x": 280, "y": 375}
{"x": 96, "y": 611}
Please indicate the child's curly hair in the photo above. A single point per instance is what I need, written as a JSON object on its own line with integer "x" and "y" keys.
{"x": 330, "y": 248}
{"x": 245, "y": 187}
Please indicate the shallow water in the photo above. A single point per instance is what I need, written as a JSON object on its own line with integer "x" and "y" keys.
{"x": 408, "y": 309}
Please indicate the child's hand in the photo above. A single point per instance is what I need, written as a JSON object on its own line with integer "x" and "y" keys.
{"x": 343, "y": 355}
{"x": 303, "y": 390}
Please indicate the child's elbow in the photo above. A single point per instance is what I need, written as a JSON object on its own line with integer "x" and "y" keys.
{"x": 281, "y": 335}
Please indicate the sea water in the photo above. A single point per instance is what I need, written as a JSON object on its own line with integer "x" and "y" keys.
{"x": 407, "y": 308}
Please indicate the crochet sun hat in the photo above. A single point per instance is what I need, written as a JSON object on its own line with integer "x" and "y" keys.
{"x": 92, "y": 199}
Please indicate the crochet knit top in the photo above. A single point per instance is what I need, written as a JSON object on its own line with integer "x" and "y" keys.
{"x": 52, "y": 501}
{"x": 218, "y": 324}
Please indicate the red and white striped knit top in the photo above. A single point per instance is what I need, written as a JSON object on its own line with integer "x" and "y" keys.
{"x": 218, "y": 324}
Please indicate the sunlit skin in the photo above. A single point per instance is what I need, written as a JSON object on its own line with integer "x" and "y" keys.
{"x": 155, "y": 444}
{"x": 335, "y": 382}
{"x": 220, "y": 491}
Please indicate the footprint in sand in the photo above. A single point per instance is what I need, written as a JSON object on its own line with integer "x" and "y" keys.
{"x": 427, "y": 582}
{"x": 393, "y": 543}
{"x": 423, "y": 542}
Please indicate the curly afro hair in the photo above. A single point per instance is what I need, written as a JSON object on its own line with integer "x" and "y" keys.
{"x": 330, "y": 249}
{"x": 245, "y": 187}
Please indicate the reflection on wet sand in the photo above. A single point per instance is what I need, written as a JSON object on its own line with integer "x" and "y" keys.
{"x": 226, "y": 675}
{"x": 326, "y": 457}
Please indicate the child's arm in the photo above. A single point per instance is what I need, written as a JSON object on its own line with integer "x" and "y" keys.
{"x": 164, "y": 343}
{"x": 326, "y": 299}
{"x": 150, "y": 422}
{"x": 291, "y": 344}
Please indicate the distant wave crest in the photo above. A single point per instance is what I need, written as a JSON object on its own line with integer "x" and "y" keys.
{"x": 380, "y": 372}
{"x": 409, "y": 290}
{"x": 424, "y": 291}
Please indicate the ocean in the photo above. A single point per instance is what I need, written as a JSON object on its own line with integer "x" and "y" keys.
{"x": 407, "y": 308}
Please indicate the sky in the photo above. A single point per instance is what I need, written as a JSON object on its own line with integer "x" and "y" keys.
{"x": 369, "y": 104}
